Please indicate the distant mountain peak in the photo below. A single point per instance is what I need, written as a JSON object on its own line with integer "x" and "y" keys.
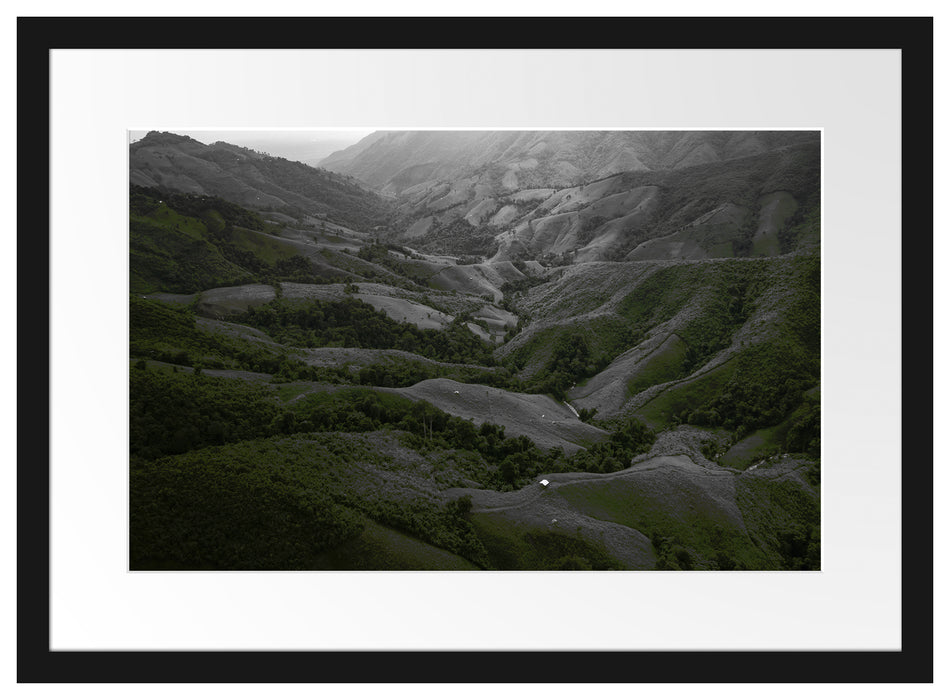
{"x": 251, "y": 179}
{"x": 157, "y": 138}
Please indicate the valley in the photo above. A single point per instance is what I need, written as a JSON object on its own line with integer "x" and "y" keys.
{"x": 375, "y": 363}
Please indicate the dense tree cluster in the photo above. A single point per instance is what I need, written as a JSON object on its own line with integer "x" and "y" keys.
{"x": 230, "y": 510}
{"x": 630, "y": 439}
{"x": 768, "y": 384}
{"x": 672, "y": 556}
{"x": 512, "y": 288}
{"x": 459, "y": 237}
{"x": 379, "y": 254}
{"x": 165, "y": 333}
{"x": 587, "y": 229}
{"x": 276, "y": 505}
{"x": 175, "y": 413}
{"x": 804, "y": 435}
{"x": 355, "y": 324}
{"x": 725, "y": 313}
{"x": 800, "y": 547}
{"x": 571, "y": 360}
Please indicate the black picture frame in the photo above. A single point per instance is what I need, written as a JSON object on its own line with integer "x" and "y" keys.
{"x": 36, "y": 663}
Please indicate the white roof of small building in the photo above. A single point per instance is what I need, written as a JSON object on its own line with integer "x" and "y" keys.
{"x": 544, "y": 482}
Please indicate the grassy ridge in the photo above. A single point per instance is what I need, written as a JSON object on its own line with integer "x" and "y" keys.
{"x": 340, "y": 197}
{"x": 186, "y": 243}
{"x": 783, "y": 516}
{"x": 278, "y": 504}
{"x": 266, "y": 249}
{"x": 173, "y": 254}
{"x": 382, "y": 548}
{"x": 667, "y": 407}
{"x": 169, "y": 334}
{"x": 246, "y": 176}
{"x": 688, "y": 193}
{"x": 175, "y": 413}
{"x": 663, "y": 365}
{"x": 351, "y": 322}
{"x": 706, "y": 303}
{"x": 511, "y": 547}
{"x": 688, "y": 529}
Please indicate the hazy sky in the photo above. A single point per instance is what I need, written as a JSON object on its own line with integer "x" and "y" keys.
{"x": 306, "y": 146}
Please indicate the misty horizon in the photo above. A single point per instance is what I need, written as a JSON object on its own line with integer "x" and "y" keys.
{"x": 303, "y": 145}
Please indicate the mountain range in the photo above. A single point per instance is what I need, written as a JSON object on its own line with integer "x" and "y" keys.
{"x": 595, "y": 195}
{"x": 251, "y": 179}
{"x": 394, "y": 161}
{"x": 393, "y": 349}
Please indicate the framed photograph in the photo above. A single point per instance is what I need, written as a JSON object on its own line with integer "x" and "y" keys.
{"x": 484, "y": 349}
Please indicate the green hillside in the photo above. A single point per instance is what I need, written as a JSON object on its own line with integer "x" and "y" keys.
{"x": 186, "y": 243}
{"x": 281, "y": 503}
{"x": 254, "y": 180}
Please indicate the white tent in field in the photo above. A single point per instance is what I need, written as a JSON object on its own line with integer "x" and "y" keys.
{"x": 544, "y": 482}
